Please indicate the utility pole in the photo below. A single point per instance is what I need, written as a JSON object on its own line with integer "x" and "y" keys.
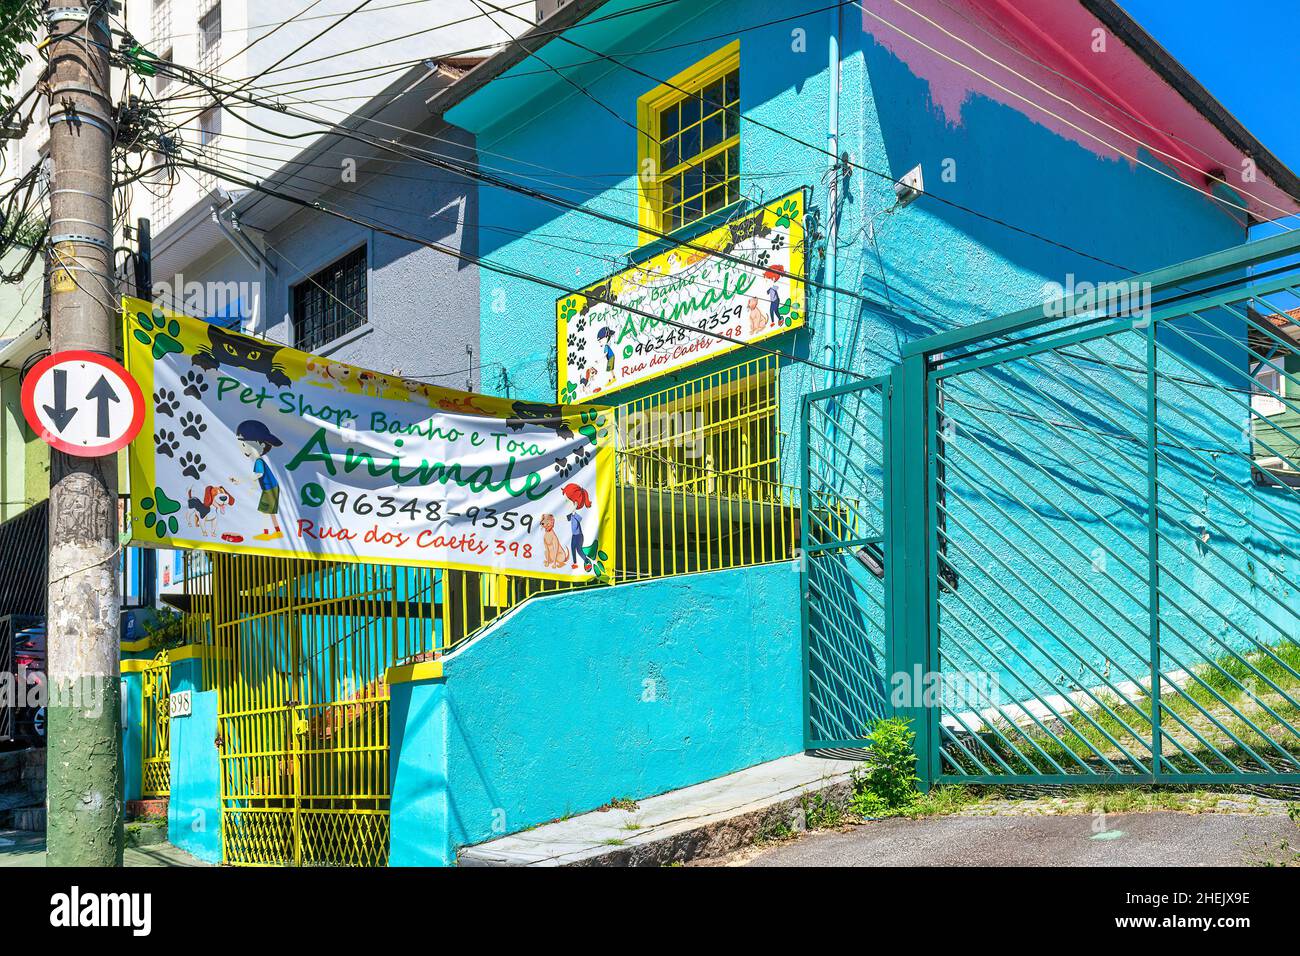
{"x": 84, "y": 777}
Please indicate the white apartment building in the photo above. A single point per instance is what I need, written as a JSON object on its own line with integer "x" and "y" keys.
{"x": 324, "y": 58}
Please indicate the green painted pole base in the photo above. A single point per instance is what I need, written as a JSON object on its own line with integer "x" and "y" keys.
{"x": 84, "y": 774}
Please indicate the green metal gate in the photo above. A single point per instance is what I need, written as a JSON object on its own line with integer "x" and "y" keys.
{"x": 843, "y": 561}
{"x": 1093, "y": 552}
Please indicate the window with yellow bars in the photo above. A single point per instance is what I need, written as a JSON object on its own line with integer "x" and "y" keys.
{"x": 690, "y": 143}
{"x": 714, "y": 435}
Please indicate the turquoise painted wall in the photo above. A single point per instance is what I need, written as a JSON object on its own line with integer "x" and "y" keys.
{"x": 911, "y": 271}
{"x": 944, "y": 267}
{"x": 576, "y": 699}
{"x": 194, "y": 808}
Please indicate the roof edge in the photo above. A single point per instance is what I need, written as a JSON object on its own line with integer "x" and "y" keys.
{"x": 1122, "y": 24}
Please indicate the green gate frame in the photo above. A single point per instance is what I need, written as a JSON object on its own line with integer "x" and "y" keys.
{"x": 911, "y": 534}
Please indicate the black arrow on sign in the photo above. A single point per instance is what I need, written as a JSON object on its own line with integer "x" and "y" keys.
{"x": 60, "y": 413}
{"x": 103, "y": 392}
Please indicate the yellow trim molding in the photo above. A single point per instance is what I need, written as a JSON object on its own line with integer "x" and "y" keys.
{"x": 409, "y": 673}
{"x": 137, "y": 665}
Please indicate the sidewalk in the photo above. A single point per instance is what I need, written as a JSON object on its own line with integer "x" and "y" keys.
{"x": 705, "y": 820}
{"x": 24, "y": 848}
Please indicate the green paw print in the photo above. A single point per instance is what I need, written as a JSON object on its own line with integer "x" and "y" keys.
{"x": 158, "y": 330}
{"x": 158, "y": 509}
{"x": 597, "y": 557}
{"x": 786, "y": 212}
{"x": 593, "y": 426}
{"x": 569, "y": 392}
{"x": 568, "y": 310}
{"x": 788, "y": 312}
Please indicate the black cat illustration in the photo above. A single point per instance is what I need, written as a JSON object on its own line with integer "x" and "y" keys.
{"x": 241, "y": 351}
{"x": 537, "y": 413}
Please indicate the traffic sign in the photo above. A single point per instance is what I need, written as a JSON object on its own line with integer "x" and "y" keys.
{"x": 82, "y": 403}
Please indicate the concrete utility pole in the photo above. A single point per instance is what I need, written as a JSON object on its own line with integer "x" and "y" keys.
{"x": 84, "y": 731}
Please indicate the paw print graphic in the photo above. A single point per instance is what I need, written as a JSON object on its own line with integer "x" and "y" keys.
{"x": 166, "y": 442}
{"x": 193, "y": 426}
{"x": 160, "y": 513}
{"x": 764, "y": 258}
{"x": 777, "y": 242}
{"x": 156, "y": 330}
{"x": 194, "y": 384}
{"x": 568, "y": 309}
{"x": 165, "y": 402}
{"x": 787, "y": 212}
{"x": 192, "y": 465}
{"x": 593, "y": 426}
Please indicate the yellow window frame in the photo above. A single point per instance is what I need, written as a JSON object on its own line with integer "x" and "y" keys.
{"x": 651, "y": 179}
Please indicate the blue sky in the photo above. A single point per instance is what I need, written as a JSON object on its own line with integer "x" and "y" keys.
{"x": 1243, "y": 53}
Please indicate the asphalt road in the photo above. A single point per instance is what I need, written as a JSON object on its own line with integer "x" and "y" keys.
{"x": 1134, "y": 839}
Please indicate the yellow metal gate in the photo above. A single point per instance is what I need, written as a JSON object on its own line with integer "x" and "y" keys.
{"x": 155, "y": 727}
{"x": 301, "y": 652}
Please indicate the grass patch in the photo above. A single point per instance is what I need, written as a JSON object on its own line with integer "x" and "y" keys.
{"x": 620, "y": 803}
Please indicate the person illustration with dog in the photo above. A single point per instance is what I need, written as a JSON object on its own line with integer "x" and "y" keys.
{"x": 256, "y": 442}
{"x": 606, "y": 335}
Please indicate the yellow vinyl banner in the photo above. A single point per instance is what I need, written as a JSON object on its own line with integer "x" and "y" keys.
{"x": 250, "y": 446}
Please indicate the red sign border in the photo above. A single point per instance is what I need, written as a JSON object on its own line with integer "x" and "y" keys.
{"x": 95, "y": 358}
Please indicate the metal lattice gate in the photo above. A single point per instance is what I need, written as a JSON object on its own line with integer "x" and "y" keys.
{"x": 155, "y": 726}
{"x": 302, "y": 648}
{"x": 1093, "y": 538}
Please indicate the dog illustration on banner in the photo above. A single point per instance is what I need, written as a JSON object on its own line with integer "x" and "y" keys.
{"x": 556, "y": 556}
{"x": 205, "y": 511}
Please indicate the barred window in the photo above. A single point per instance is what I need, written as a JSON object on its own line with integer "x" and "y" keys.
{"x": 210, "y": 31}
{"x": 330, "y": 303}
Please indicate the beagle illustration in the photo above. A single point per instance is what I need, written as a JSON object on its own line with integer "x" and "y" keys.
{"x": 205, "y": 511}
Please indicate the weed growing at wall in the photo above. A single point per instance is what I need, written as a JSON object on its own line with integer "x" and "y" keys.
{"x": 886, "y": 785}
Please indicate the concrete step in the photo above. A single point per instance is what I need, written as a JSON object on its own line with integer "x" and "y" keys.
{"x": 697, "y": 822}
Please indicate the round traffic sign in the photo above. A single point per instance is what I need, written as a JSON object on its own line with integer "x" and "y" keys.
{"x": 82, "y": 403}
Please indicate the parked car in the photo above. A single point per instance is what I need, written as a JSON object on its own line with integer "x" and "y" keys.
{"x": 22, "y": 661}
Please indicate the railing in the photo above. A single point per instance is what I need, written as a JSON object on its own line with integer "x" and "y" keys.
{"x": 706, "y": 521}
